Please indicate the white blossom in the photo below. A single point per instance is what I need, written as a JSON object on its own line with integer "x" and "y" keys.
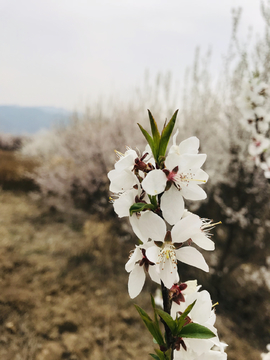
{"x": 266, "y": 167}
{"x": 259, "y": 144}
{"x": 170, "y": 249}
{"x": 202, "y": 313}
{"x": 266, "y": 356}
{"x": 123, "y": 201}
{"x": 184, "y": 174}
{"x": 122, "y": 178}
{"x": 137, "y": 266}
{"x": 188, "y": 146}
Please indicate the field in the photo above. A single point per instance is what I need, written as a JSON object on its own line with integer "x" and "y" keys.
{"x": 64, "y": 289}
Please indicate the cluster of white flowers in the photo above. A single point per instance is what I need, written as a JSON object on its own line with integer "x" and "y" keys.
{"x": 266, "y": 356}
{"x": 202, "y": 313}
{"x": 254, "y": 105}
{"x": 138, "y": 180}
{"x": 152, "y": 196}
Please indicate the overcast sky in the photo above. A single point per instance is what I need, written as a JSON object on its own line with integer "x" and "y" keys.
{"x": 66, "y": 53}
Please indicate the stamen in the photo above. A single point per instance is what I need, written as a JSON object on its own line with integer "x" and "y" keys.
{"x": 183, "y": 178}
{"x": 210, "y": 225}
{"x": 167, "y": 253}
{"x": 195, "y": 180}
{"x": 215, "y": 304}
{"x": 119, "y": 154}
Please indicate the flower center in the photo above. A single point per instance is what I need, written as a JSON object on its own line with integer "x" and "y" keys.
{"x": 167, "y": 252}
{"x": 258, "y": 143}
{"x": 182, "y": 179}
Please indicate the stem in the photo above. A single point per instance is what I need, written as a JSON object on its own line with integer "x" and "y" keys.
{"x": 153, "y": 200}
{"x": 166, "y": 301}
{"x": 172, "y": 354}
{"x": 167, "y": 308}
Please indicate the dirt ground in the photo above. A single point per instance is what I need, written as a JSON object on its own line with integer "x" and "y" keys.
{"x": 64, "y": 289}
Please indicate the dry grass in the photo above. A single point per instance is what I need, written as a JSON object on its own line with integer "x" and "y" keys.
{"x": 13, "y": 170}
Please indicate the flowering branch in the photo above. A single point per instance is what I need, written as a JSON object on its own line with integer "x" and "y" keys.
{"x": 150, "y": 190}
{"x": 254, "y": 106}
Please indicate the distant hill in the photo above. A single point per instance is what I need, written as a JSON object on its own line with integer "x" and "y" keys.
{"x": 20, "y": 120}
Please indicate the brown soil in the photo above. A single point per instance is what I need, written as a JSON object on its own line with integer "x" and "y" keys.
{"x": 64, "y": 289}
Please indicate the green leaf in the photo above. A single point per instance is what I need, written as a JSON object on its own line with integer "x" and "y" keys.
{"x": 166, "y": 134}
{"x": 196, "y": 331}
{"x": 154, "y": 144}
{"x": 153, "y": 301}
{"x": 168, "y": 320}
{"x": 182, "y": 319}
{"x": 149, "y": 140}
{"x": 154, "y": 308}
{"x": 137, "y": 207}
{"x": 154, "y": 128}
{"x": 154, "y": 356}
{"x": 160, "y": 354}
{"x": 155, "y": 136}
{"x": 163, "y": 355}
{"x": 151, "y": 326}
{"x": 168, "y": 354}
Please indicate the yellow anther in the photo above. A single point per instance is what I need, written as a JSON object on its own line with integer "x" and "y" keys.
{"x": 215, "y": 304}
{"x": 196, "y": 180}
{"x": 210, "y": 225}
{"x": 118, "y": 153}
{"x": 167, "y": 254}
{"x": 217, "y": 223}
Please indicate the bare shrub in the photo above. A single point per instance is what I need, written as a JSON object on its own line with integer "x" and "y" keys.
{"x": 10, "y": 142}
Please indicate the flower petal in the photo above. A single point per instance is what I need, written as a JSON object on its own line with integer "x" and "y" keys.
{"x": 191, "y": 287}
{"x": 191, "y": 256}
{"x": 202, "y": 309}
{"x": 154, "y": 275}
{"x": 149, "y": 225}
{"x": 126, "y": 161}
{"x": 169, "y": 274}
{"x": 192, "y": 161}
{"x": 172, "y": 205}
{"x": 189, "y": 146}
{"x": 193, "y": 192}
{"x": 155, "y": 182}
{"x": 173, "y": 160}
{"x": 203, "y": 241}
{"x": 186, "y": 228}
{"x": 201, "y": 176}
{"x": 134, "y": 222}
{"x": 136, "y": 281}
{"x": 199, "y": 346}
{"x": 136, "y": 256}
{"x": 213, "y": 355}
{"x": 152, "y": 253}
{"x": 124, "y": 202}
{"x": 121, "y": 180}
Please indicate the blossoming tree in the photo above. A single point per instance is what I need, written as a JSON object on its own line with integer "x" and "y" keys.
{"x": 254, "y": 106}
{"x": 150, "y": 189}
